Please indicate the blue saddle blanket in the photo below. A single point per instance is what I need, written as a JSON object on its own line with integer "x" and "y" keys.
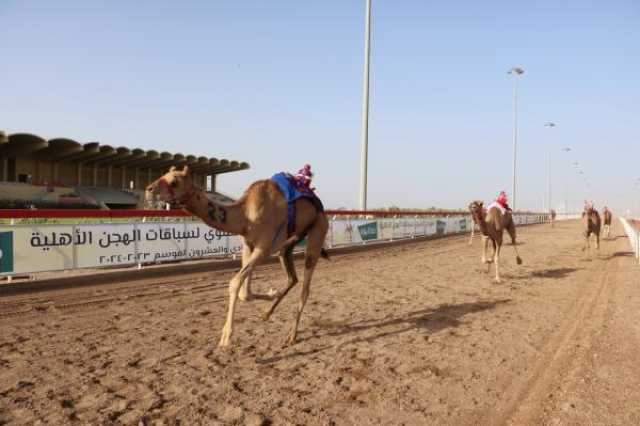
{"x": 292, "y": 191}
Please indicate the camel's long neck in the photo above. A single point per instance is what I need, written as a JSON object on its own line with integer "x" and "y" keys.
{"x": 482, "y": 224}
{"x": 228, "y": 218}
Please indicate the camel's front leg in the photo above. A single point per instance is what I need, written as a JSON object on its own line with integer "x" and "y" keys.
{"x": 586, "y": 242}
{"x": 473, "y": 228}
{"x": 245, "y": 291}
{"x": 496, "y": 260}
{"x": 234, "y": 288}
{"x": 597, "y": 241}
{"x": 485, "y": 242}
{"x": 246, "y": 294}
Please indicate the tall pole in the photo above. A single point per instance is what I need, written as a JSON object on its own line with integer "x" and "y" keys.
{"x": 566, "y": 185}
{"x": 365, "y": 110}
{"x": 549, "y": 181}
{"x": 515, "y": 72}
{"x": 549, "y": 124}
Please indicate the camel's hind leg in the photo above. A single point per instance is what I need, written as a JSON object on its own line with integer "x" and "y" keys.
{"x": 256, "y": 256}
{"x": 286, "y": 260}
{"x": 315, "y": 242}
{"x": 512, "y": 233}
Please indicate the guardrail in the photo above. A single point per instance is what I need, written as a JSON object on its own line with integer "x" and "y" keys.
{"x": 633, "y": 232}
{"x": 38, "y": 247}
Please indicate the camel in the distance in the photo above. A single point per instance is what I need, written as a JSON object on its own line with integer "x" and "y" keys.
{"x": 606, "y": 218}
{"x": 492, "y": 223}
{"x": 590, "y": 225}
{"x": 552, "y": 217}
{"x": 260, "y": 217}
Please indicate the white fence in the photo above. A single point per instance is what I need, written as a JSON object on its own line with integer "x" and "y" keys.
{"x": 634, "y": 237}
{"x": 26, "y": 249}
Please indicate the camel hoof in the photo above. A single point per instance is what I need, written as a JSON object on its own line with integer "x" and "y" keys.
{"x": 518, "y": 260}
{"x": 273, "y": 293}
{"x": 291, "y": 340}
{"x": 246, "y": 297}
{"x": 497, "y": 281}
{"x": 266, "y": 316}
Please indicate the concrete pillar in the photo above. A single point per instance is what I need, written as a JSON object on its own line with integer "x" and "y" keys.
{"x": 5, "y": 167}
{"x": 124, "y": 178}
{"x": 135, "y": 182}
{"x": 213, "y": 182}
{"x": 95, "y": 174}
{"x": 148, "y": 177}
{"x": 109, "y": 174}
{"x": 36, "y": 178}
{"x": 79, "y": 179}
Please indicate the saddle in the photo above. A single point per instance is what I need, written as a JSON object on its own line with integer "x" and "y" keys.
{"x": 293, "y": 189}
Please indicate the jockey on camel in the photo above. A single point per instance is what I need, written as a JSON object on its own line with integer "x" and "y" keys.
{"x": 502, "y": 200}
{"x": 303, "y": 178}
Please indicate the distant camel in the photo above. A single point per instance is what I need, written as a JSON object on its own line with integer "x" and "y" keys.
{"x": 552, "y": 216}
{"x": 492, "y": 223}
{"x": 260, "y": 217}
{"x": 607, "y": 216}
{"x": 590, "y": 225}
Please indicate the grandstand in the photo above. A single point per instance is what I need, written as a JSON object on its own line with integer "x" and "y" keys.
{"x": 63, "y": 173}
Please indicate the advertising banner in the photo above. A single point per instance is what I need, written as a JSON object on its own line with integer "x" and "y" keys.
{"x": 38, "y": 248}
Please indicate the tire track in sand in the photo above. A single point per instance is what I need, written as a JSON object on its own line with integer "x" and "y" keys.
{"x": 527, "y": 400}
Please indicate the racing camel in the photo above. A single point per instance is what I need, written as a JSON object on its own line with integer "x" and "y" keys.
{"x": 492, "y": 223}
{"x": 260, "y": 217}
{"x": 606, "y": 217}
{"x": 590, "y": 225}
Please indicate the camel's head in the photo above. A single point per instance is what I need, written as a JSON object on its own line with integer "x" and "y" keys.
{"x": 477, "y": 210}
{"x": 175, "y": 187}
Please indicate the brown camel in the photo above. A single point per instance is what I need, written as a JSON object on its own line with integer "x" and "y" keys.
{"x": 590, "y": 225}
{"x": 492, "y": 223}
{"x": 607, "y": 216}
{"x": 260, "y": 217}
{"x": 552, "y": 217}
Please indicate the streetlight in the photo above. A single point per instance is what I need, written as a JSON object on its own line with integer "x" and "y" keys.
{"x": 365, "y": 110}
{"x": 549, "y": 124}
{"x": 566, "y": 184}
{"x": 516, "y": 71}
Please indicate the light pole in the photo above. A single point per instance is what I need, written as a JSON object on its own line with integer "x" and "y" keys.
{"x": 549, "y": 124}
{"x": 365, "y": 110}
{"x": 566, "y": 183}
{"x": 516, "y": 71}
{"x": 577, "y": 166}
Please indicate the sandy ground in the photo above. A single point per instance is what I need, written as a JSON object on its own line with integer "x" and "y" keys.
{"x": 410, "y": 335}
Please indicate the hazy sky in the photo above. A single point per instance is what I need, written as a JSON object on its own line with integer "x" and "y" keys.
{"x": 279, "y": 83}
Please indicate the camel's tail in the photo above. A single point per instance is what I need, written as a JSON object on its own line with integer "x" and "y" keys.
{"x": 324, "y": 254}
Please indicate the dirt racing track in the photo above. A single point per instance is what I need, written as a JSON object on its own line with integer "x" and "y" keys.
{"x": 416, "y": 334}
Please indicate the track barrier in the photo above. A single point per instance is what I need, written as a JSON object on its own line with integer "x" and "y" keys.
{"x": 54, "y": 240}
{"x": 632, "y": 229}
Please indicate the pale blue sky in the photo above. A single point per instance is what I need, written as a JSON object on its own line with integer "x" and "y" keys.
{"x": 279, "y": 83}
